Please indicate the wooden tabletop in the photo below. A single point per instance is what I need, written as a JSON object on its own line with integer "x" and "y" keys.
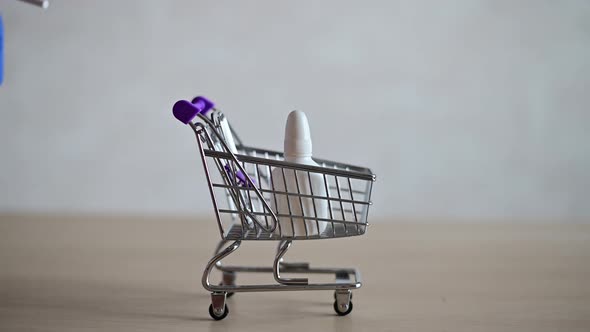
{"x": 143, "y": 274}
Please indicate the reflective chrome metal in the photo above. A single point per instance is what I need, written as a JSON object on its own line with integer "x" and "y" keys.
{"x": 283, "y": 247}
{"x": 343, "y": 299}
{"x": 246, "y": 182}
{"x": 218, "y": 302}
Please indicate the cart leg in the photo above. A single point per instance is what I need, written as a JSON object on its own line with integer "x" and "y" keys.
{"x": 213, "y": 262}
{"x": 283, "y": 247}
{"x": 289, "y": 265}
{"x": 228, "y": 277}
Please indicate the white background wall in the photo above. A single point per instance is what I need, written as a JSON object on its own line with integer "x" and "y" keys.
{"x": 473, "y": 110}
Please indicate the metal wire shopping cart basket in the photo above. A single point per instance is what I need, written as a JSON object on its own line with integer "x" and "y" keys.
{"x": 243, "y": 192}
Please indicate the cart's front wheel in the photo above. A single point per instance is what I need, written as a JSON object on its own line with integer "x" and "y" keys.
{"x": 218, "y": 316}
{"x": 341, "y": 311}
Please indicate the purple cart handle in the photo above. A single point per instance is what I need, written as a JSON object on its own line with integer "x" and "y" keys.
{"x": 240, "y": 177}
{"x": 203, "y": 103}
{"x": 186, "y": 111}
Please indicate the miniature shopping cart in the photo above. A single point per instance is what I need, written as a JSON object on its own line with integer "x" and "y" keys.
{"x": 243, "y": 192}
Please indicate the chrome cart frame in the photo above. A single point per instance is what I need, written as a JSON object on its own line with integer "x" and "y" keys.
{"x": 247, "y": 212}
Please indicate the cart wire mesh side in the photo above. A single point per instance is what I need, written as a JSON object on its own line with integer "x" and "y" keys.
{"x": 249, "y": 192}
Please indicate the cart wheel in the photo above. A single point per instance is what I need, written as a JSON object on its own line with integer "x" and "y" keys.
{"x": 342, "y": 313}
{"x": 229, "y": 294}
{"x": 218, "y": 317}
{"x": 335, "y": 295}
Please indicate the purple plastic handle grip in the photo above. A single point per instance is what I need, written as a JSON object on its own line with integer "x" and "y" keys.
{"x": 241, "y": 177}
{"x": 203, "y": 103}
{"x": 185, "y": 111}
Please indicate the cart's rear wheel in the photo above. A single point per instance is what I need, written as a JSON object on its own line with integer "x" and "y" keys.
{"x": 338, "y": 309}
{"x": 218, "y": 316}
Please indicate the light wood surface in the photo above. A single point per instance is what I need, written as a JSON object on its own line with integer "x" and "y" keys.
{"x": 137, "y": 274}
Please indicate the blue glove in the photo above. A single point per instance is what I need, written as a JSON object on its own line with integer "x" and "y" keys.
{"x": 1, "y": 50}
